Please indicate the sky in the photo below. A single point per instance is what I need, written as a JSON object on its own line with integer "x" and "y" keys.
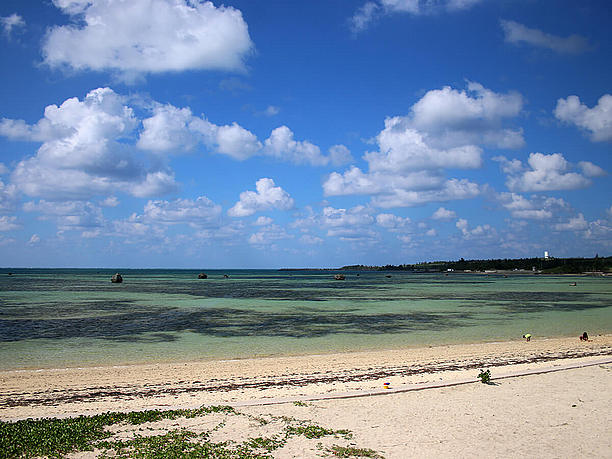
{"x": 270, "y": 134}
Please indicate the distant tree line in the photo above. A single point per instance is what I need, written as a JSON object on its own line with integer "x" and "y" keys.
{"x": 544, "y": 265}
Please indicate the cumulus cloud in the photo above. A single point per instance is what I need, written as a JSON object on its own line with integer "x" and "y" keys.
{"x": 339, "y": 155}
{"x": 267, "y": 196}
{"x": 391, "y": 221}
{"x": 480, "y": 231}
{"x": 596, "y": 120}
{"x": 148, "y": 36}
{"x": 263, "y": 221}
{"x": 271, "y": 110}
{"x": 352, "y": 224}
{"x": 85, "y": 151}
{"x": 444, "y": 214}
{"x": 473, "y": 116}
{"x": 268, "y": 235}
{"x": 574, "y": 224}
{"x": 371, "y": 10}
{"x": 281, "y": 145}
{"x": 69, "y": 215}
{"x": 535, "y": 208}
{"x": 8, "y": 197}
{"x": 591, "y": 170}
{"x": 516, "y": 33}
{"x": 452, "y": 189}
{"x": 172, "y": 129}
{"x": 201, "y": 212}
{"x": 9, "y": 223}
{"x": 11, "y": 22}
{"x": 545, "y": 173}
{"x": 309, "y": 239}
{"x": 444, "y": 130}
{"x": 34, "y": 239}
{"x": 111, "y": 201}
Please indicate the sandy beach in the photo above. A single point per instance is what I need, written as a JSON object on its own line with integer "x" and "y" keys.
{"x": 550, "y": 398}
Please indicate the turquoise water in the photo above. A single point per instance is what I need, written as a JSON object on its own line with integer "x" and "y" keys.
{"x": 53, "y": 318}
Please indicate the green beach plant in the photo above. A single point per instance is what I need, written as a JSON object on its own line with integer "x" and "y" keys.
{"x": 349, "y": 451}
{"x": 485, "y": 376}
{"x": 50, "y": 437}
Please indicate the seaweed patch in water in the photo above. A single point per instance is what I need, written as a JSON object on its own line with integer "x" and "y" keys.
{"x": 161, "y": 324}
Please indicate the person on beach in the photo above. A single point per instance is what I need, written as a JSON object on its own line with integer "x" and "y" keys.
{"x": 584, "y": 337}
{"x": 527, "y": 337}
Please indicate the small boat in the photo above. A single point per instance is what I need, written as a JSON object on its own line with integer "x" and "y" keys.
{"x": 339, "y": 276}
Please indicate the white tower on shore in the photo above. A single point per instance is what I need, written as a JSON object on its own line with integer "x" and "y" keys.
{"x": 546, "y": 256}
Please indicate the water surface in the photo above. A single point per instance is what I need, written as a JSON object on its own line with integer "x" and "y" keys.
{"x": 52, "y": 318}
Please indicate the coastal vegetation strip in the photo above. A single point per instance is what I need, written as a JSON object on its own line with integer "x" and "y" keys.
{"x": 141, "y": 435}
{"x": 548, "y": 265}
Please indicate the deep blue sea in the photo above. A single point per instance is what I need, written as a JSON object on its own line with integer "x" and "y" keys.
{"x": 55, "y": 318}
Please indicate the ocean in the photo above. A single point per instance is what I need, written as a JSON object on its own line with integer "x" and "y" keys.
{"x": 57, "y": 318}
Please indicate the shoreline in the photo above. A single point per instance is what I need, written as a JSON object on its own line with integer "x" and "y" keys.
{"x": 305, "y": 354}
{"x": 91, "y": 390}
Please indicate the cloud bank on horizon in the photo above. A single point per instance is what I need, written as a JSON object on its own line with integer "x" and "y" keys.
{"x": 187, "y": 133}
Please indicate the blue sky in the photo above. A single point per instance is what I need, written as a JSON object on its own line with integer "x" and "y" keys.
{"x": 181, "y": 133}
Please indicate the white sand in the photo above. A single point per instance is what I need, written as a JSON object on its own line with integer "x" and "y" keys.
{"x": 554, "y": 414}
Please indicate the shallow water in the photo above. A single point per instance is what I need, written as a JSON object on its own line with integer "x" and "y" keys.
{"x": 57, "y": 318}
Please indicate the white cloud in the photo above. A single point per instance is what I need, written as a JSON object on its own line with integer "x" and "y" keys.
{"x": 367, "y": 13}
{"x": 199, "y": 212}
{"x": 8, "y": 197}
{"x": 536, "y": 208}
{"x": 8, "y": 223}
{"x": 172, "y": 129}
{"x": 177, "y": 129}
{"x": 391, "y": 221}
{"x": 69, "y": 215}
{"x": 148, "y": 36}
{"x": 267, "y": 196}
{"x": 591, "y": 170}
{"x": 518, "y": 33}
{"x": 406, "y": 149}
{"x": 131, "y": 227}
{"x": 480, "y": 231}
{"x": 339, "y": 155}
{"x": 268, "y": 235}
{"x": 310, "y": 239}
{"x": 364, "y": 16}
{"x": 8, "y": 23}
{"x": 444, "y": 130}
{"x": 237, "y": 142}
{"x": 85, "y": 151}
{"x": 271, "y": 110}
{"x": 574, "y": 224}
{"x": 453, "y": 118}
{"x": 431, "y": 232}
{"x": 597, "y": 120}
{"x": 111, "y": 201}
{"x": 355, "y": 217}
{"x": 444, "y": 214}
{"x": 452, "y": 189}
{"x": 545, "y": 173}
{"x": 281, "y": 145}
{"x": 34, "y": 239}
{"x": 263, "y": 221}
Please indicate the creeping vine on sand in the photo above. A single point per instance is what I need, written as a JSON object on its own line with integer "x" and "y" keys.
{"x": 53, "y": 437}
